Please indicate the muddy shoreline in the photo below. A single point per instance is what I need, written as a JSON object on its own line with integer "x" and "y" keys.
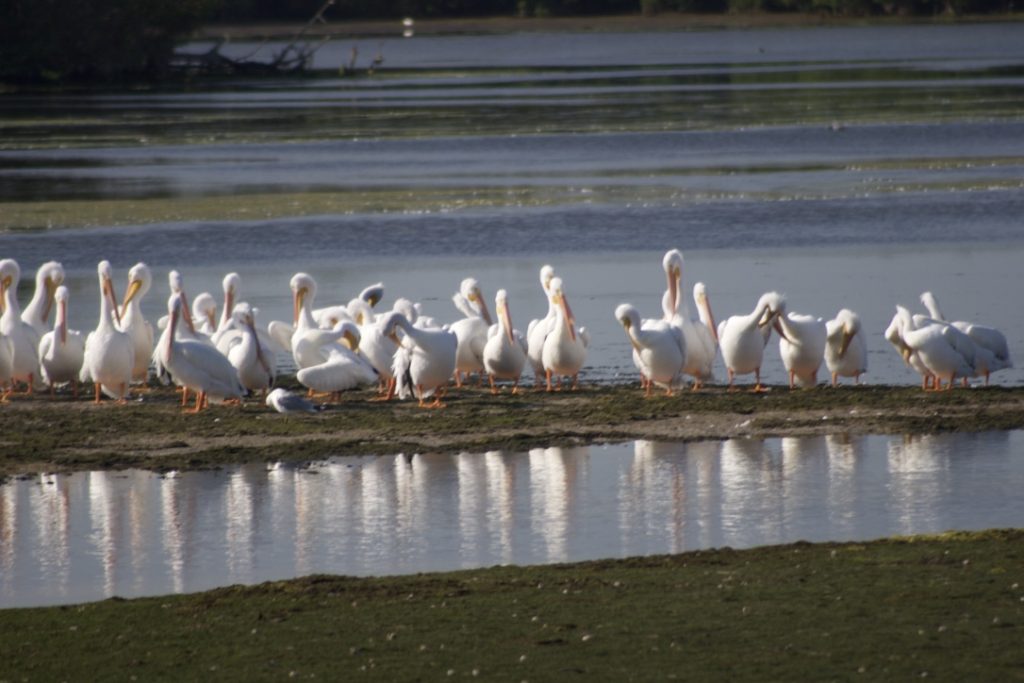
{"x": 43, "y": 434}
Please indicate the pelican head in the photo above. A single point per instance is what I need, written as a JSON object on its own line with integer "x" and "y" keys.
{"x": 390, "y": 324}
{"x": 628, "y": 317}
{"x": 230, "y": 286}
{"x": 204, "y": 304}
{"x": 348, "y": 333}
{"x": 546, "y": 274}
{"x": 406, "y": 308}
{"x": 504, "y": 314}
{"x": 373, "y": 294}
{"x": 303, "y": 292}
{"x": 558, "y": 299}
{"x": 470, "y": 289}
{"x": 106, "y": 276}
{"x": 672, "y": 263}
{"x": 700, "y": 297}
{"x": 850, "y": 323}
{"x": 929, "y": 302}
{"x": 772, "y": 305}
{"x": 139, "y": 281}
{"x": 49, "y": 276}
{"x": 10, "y": 273}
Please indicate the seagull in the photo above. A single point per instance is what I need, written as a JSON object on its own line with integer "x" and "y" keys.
{"x": 286, "y": 402}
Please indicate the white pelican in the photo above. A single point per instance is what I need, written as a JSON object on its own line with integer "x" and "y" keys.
{"x": 37, "y": 313}
{"x": 802, "y": 340}
{"x": 661, "y": 350}
{"x": 23, "y": 337}
{"x": 565, "y": 349}
{"x": 342, "y": 368}
{"x": 538, "y": 329}
{"x": 132, "y": 321}
{"x": 701, "y": 341}
{"x": 846, "y": 353}
{"x": 505, "y": 352}
{"x": 195, "y": 364}
{"x": 204, "y": 309}
{"x": 936, "y": 345}
{"x": 109, "y": 352}
{"x": 987, "y": 339}
{"x": 701, "y": 353}
{"x": 894, "y": 336}
{"x": 376, "y": 346}
{"x": 425, "y": 363}
{"x": 61, "y": 351}
{"x": 471, "y": 331}
{"x": 256, "y": 372}
{"x": 330, "y": 316}
{"x": 286, "y": 402}
{"x": 742, "y": 338}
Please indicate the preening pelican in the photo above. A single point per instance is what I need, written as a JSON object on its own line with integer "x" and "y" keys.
{"x": 195, "y": 364}
{"x": 565, "y": 348}
{"x": 37, "y": 313}
{"x": 204, "y": 308}
{"x": 109, "y": 352}
{"x": 987, "y": 339}
{"x": 376, "y": 346}
{"x": 661, "y": 350}
{"x": 23, "y": 338}
{"x": 255, "y": 371}
{"x": 702, "y": 348}
{"x": 846, "y": 353}
{"x": 286, "y": 402}
{"x": 424, "y": 362}
{"x": 342, "y": 368}
{"x": 61, "y": 351}
{"x": 538, "y": 329}
{"x": 937, "y": 346}
{"x": 132, "y": 321}
{"x": 802, "y": 340}
{"x": 505, "y": 352}
{"x": 330, "y": 316}
{"x": 742, "y": 338}
{"x": 893, "y": 334}
{"x": 471, "y": 331}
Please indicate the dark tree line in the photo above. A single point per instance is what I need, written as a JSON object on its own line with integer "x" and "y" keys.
{"x": 117, "y": 40}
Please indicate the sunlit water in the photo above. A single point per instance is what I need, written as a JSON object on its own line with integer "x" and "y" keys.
{"x": 86, "y": 536}
{"x": 850, "y": 167}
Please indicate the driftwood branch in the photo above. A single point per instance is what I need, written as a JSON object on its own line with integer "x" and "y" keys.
{"x": 295, "y": 57}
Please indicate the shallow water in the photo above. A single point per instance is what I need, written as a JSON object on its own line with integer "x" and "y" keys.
{"x": 86, "y": 536}
{"x": 845, "y": 167}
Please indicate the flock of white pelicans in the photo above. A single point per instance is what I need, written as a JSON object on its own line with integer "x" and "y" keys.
{"x": 344, "y": 347}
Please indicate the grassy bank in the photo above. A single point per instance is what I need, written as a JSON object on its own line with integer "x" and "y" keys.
{"x": 44, "y": 434}
{"x": 949, "y": 607}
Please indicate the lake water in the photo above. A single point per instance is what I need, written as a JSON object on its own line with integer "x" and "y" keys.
{"x": 849, "y": 167}
{"x": 845, "y": 167}
{"x": 91, "y": 535}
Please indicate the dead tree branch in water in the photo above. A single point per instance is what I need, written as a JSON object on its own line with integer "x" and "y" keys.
{"x": 296, "y": 57}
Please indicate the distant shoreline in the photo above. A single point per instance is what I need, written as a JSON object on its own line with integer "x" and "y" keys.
{"x": 668, "y": 21}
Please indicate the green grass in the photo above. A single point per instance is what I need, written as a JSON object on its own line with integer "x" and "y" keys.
{"x": 947, "y": 607}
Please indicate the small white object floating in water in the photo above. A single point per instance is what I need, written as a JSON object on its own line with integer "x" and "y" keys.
{"x": 286, "y": 402}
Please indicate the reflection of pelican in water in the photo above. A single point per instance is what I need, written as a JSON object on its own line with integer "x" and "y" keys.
{"x": 472, "y": 476}
{"x": 654, "y": 495}
{"x": 553, "y": 474}
{"x": 501, "y": 493}
{"x": 52, "y": 508}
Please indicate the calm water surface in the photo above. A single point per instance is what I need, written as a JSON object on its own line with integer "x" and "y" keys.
{"x": 86, "y": 536}
{"x": 849, "y": 167}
